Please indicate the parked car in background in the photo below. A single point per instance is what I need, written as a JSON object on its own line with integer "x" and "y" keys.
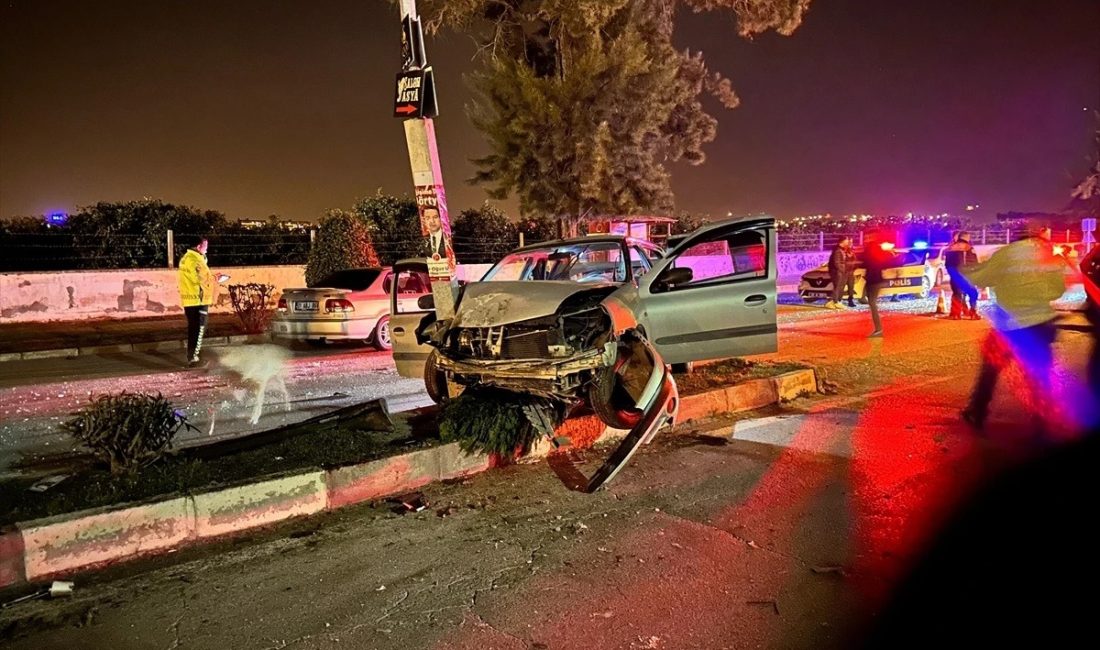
{"x": 914, "y": 273}
{"x": 349, "y": 305}
{"x": 592, "y": 319}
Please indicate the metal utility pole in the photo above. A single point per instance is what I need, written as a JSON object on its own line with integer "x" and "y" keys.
{"x": 415, "y": 103}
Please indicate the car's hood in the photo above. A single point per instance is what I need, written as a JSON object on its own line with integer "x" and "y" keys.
{"x": 490, "y": 304}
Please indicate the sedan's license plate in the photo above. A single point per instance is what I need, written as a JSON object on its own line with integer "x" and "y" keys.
{"x": 305, "y": 305}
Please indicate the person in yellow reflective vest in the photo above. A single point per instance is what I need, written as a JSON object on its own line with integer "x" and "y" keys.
{"x": 197, "y": 292}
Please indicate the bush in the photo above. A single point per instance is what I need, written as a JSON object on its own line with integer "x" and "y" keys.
{"x": 492, "y": 421}
{"x": 127, "y": 430}
{"x": 343, "y": 242}
{"x": 252, "y": 302}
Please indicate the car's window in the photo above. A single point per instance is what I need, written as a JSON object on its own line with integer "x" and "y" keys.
{"x": 909, "y": 259}
{"x": 350, "y": 279}
{"x": 387, "y": 283}
{"x": 414, "y": 283}
{"x": 738, "y": 256}
{"x": 579, "y": 262}
{"x": 639, "y": 262}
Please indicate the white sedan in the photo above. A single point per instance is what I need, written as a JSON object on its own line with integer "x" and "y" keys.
{"x": 353, "y": 304}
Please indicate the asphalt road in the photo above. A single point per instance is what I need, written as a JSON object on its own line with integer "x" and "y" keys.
{"x": 783, "y": 529}
{"x": 36, "y": 396}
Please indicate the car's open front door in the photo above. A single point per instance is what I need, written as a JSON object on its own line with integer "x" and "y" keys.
{"x": 714, "y": 295}
{"x": 410, "y": 286}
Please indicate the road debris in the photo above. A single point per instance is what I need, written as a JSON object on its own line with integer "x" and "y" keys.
{"x": 413, "y": 502}
{"x": 766, "y": 603}
{"x": 839, "y": 570}
{"x": 47, "y": 483}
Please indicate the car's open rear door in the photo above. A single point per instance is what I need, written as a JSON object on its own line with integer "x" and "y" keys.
{"x": 410, "y": 284}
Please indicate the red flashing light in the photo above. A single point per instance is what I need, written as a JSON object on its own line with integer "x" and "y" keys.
{"x": 887, "y": 246}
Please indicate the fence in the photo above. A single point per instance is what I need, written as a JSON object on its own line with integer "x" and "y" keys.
{"x": 66, "y": 251}
{"x": 823, "y": 241}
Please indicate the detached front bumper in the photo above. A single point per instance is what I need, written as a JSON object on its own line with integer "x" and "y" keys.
{"x": 560, "y": 378}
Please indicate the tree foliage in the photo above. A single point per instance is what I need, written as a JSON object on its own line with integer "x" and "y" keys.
{"x": 133, "y": 234}
{"x": 394, "y": 224}
{"x": 584, "y": 102}
{"x": 1086, "y": 194}
{"x": 343, "y": 242}
{"x": 483, "y": 235}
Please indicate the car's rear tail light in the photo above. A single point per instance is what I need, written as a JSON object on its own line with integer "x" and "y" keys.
{"x": 282, "y": 304}
{"x": 338, "y": 304}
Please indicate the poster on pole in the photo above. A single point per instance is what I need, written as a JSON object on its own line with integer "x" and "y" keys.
{"x": 435, "y": 225}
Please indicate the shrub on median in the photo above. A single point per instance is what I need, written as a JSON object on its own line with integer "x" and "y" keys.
{"x": 127, "y": 430}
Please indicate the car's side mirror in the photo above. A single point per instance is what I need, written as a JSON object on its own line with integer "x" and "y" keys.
{"x": 426, "y": 302}
{"x": 673, "y": 277}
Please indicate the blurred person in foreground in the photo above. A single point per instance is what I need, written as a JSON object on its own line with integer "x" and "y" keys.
{"x": 1026, "y": 277}
{"x": 1090, "y": 272}
{"x": 877, "y": 257}
{"x": 841, "y": 271}
{"x": 959, "y": 256}
{"x": 1008, "y": 569}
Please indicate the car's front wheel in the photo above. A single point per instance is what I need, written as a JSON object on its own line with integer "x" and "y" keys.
{"x": 609, "y": 399}
{"x": 435, "y": 380}
{"x": 381, "y": 337}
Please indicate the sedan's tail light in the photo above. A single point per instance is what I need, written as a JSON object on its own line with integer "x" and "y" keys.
{"x": 282, "y": 304}
{"x": 338, "y": 304}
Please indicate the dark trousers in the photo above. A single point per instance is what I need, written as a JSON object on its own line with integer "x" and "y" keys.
{"x": 961, "y": 290}
{"x": 196, "y": 328}
{"x": 1030, "y": 347}
{"x": 872, "y": 291}
{"x": 842, "y": 281}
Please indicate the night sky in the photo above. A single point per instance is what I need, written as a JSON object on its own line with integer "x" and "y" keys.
{"x": 257, "y": 107}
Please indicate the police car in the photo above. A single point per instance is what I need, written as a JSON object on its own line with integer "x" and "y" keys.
{"x": 913, "y": 272}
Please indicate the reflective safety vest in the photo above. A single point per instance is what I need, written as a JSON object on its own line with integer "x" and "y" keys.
{"x": 196, "y": 281}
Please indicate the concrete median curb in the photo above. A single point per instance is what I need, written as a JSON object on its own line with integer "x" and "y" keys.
{"x": 74, "y": 542}
{"x": 123, "y": 348}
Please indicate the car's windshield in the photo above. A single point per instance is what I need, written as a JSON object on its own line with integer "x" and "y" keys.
{"x": 577, "y": 262}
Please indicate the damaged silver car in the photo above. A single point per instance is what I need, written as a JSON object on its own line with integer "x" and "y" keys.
{"x": 591, "y": 320}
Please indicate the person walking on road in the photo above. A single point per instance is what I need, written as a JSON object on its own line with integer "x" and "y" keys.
{"x": 960, "y": 255}
{"x": 1026, "y": 277}
{"x": 840, "y": 273}
{"x": 196, "y": 285}
{"x": 1090, "y": 272}
{"x": 876, "y": 258}
{"x": 851, "y": 262}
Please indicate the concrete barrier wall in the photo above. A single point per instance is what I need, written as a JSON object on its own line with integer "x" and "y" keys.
{"x": 120, "y": 293}
{"x": 132, "y": 293}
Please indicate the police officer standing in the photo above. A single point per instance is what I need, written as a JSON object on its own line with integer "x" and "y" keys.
{"x": 840, "y": 272}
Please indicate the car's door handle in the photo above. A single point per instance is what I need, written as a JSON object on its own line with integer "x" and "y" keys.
{"x": 399, "y": 330}
{"x": 756, "y": 299}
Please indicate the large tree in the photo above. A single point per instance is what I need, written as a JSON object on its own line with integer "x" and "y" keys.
{"x": 584, "y": 102}
{"x": 1086, "y": 195}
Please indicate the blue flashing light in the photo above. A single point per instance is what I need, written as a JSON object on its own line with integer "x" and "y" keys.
{"x": 920, "y": 245}
{"x": 57, "y": 218}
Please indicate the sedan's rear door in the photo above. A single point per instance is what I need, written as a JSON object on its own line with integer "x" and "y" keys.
{"x": 406, "y": 317}
{"x": 714, "y": 296}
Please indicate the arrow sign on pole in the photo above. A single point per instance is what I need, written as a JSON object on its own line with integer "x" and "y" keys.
{"x": 415, "y": 94}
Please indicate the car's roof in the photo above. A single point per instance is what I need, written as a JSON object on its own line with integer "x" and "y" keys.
{"x": 588, "y": 239}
